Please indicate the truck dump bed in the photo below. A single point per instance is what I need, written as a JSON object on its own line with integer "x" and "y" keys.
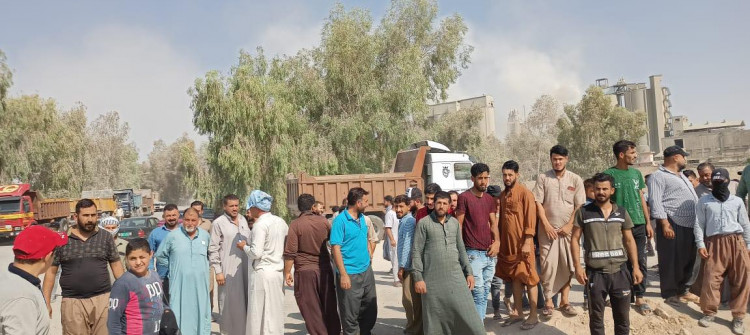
{"x": 104, "y": 205}
{"x": 331, "y": 190}
{"x": 50, "y": 209}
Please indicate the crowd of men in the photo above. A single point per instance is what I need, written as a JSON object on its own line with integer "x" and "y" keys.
{"x": 450, "y": 253}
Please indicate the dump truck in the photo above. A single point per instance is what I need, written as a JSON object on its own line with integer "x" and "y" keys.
{"x": 125, "y": 199}
{"x": 104, "y": 206}
{"x": 146, "y": 204}
{"x": 422, "y": 163}
{"x": 20, "y": 207}
{"x": 147, "y": 207}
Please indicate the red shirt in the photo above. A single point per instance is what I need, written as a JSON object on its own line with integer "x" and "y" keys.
{"x": 476, "y": 227}
{"x": 424, "y": 212}
{"x": 421, "y": 213}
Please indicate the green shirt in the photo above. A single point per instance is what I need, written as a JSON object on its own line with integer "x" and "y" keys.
{"x": 744, "y": 185}
{"x": 628, "y": 186}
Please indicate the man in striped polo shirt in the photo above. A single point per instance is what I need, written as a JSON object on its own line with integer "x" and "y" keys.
{"x": 672, "y": 199}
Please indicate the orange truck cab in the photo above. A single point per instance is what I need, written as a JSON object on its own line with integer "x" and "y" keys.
{"x": 21, "y": 207}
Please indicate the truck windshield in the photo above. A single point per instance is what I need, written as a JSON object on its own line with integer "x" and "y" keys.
{"x": 462, "y": 171}
{"x": 10, "y": 206}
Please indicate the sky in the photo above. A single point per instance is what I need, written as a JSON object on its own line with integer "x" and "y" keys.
{"x": 141, "y": 57}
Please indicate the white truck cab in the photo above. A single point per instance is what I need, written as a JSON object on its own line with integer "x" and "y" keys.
{"x": 450, "y": 170}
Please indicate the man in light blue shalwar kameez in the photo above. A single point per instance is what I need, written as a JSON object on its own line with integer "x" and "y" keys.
{"x": 185, "y": 252}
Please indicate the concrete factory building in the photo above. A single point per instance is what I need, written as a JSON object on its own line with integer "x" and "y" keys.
{"x": 723, "y": 143}
{"x": 726, "y": 143}
{"x": 485, "y": 103}
{"x": 653, "y": 101}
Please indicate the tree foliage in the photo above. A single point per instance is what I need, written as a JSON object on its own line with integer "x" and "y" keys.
{"x": 166, "y": 171}
{"x": 56, "y": 151}
{"x": 111, "y": 160}
{"x": 256, "y": 133}
{"x": 345, "y": 106}
{"x": 378, "y": 81}
{"x": 492, "y": 152}
{"x": 6, "y": 80}
{"x": 589, "y": 128}
{"x": 536, "y": 135}
{"x": 66, "y": 174}
{"x": 457, "y": 130}
{"x": 27, "y": 125}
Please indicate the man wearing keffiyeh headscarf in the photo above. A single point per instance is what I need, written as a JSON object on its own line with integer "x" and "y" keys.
{"x": 266, "y": 279}
{"x": 112, "y": 225}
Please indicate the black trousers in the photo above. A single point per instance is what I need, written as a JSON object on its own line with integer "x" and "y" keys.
{"x": 165, "y": 288}
{"x": 615, "y": 285}
{"x": 676, "y": 260}
{"x": 358, "y": 306}
{"x": 639, "y": 234}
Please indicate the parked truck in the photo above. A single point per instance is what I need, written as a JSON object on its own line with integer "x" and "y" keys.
{"x": 422, "y": 163}
{"x": 147, "y": 207}
{"x": 20, "y": 207}
{"x": 104, "y": 206}
{"x": 105, "y": 201}
{"x": 125, "y": 199}
{"x": 159, "y": 206}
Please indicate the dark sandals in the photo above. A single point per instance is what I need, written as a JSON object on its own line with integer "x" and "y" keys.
{"x": 644, "y": 309}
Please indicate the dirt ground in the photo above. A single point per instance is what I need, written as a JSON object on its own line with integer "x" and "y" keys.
{"x": 391, "y": 319}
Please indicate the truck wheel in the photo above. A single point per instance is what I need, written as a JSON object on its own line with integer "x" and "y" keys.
{"x": 379, "y": 229}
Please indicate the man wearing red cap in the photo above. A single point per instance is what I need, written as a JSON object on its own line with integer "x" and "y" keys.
{"x": 22, "y": 306}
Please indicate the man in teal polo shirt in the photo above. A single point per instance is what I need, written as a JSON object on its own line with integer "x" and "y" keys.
{"x": 355, "y": 289}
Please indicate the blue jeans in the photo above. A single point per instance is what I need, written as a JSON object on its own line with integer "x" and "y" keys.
{"x": 483, "y": 267}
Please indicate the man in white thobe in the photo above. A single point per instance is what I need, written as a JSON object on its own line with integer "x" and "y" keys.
{"x": 266, "y": 278}
{"x": 230, "y": 266}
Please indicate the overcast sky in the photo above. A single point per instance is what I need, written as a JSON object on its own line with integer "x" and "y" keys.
{"x": 140, "y": 57}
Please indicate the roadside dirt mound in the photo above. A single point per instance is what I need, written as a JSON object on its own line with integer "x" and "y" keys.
{"x": 666, "y": 320}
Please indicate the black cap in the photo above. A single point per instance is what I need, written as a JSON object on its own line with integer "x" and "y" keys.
{"x": 674, "y": 150}
{"x": 720, "y": 174}
{"x": 414, "y": 193}
{"x": 494, "y": 190}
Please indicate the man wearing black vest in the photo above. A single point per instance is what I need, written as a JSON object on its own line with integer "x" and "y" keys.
{"x": 608, "y": 241}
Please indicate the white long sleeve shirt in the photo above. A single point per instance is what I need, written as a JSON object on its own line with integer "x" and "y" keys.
{"x": 266, "y": 248}
{"x": 391, "y": 221}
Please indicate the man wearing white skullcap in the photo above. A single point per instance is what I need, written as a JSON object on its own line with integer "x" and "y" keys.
{"x": 266, "y": 279}
{"x": 112, "y": 225}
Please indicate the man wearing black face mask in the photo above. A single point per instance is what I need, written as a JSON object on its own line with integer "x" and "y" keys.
{"x": 722, "y": 221}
